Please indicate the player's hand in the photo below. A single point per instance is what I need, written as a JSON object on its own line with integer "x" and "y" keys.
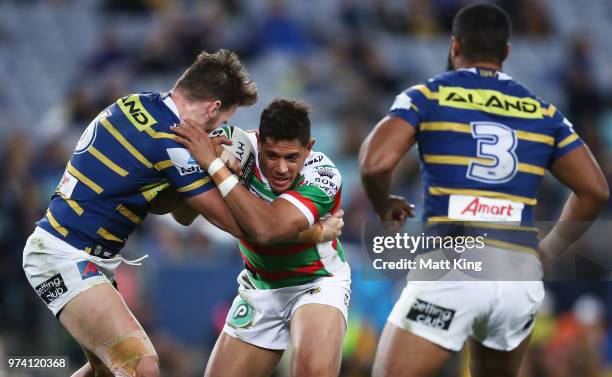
{"x": 550, "y": 248}
{"x": 396, "y": 211}
{"x": 218, "y": 143}
{"x": 331, "y": 227}
{"x": 197, "y": 141}
{"x": 231, "y": 161}
{"x": 545, "y": 259}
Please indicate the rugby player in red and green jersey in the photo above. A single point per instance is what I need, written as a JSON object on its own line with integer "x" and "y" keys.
{"x": 289, "y": 293}
{"x": 126, "y": 165}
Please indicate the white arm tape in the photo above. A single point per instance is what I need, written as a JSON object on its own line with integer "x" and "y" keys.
{"x": 215, "y": 166}
{"x": 227, "y": 185}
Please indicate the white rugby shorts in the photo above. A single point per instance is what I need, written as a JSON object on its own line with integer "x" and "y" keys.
{"x": 497, "y": 314}
{"x": 262, "y": 317}
{"x": 58, "y": 271}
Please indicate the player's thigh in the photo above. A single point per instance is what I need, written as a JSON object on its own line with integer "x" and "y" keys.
{"x": 317, "y": 335}
{"x": 98, "y": 315}
{"x": 101, "y": 322}
{"x": 402, "y": 353}
{"x": 486, "y": 361}
{"x": 234, "y": 358}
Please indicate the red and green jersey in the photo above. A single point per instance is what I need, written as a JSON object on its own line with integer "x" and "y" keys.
{"x": 316, "y": 193}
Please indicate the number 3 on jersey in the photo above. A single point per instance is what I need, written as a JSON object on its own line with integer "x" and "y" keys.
{"x": 496, "y": 143}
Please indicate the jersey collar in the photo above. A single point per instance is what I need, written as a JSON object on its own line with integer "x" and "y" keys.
{"x": 169, "y": 102}
{"x": 499, "y": 74}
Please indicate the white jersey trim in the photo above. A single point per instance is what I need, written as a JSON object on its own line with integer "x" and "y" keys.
{"x": 300, "y": 206}
{"x": 169, "y": 102}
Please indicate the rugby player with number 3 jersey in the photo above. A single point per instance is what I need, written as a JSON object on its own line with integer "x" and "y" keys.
{"x": 127, "y": 163}
{"x": 293, "y": 293}
{"x": 485, "y": 142}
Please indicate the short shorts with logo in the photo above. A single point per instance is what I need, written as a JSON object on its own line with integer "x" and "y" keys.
{"x": 497, "y": 314}
{"x": 262, "y": 317}
{"x": 58, "y": 271}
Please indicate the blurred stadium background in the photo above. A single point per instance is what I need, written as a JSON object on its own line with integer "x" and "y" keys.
{"x": 62, "y": 61}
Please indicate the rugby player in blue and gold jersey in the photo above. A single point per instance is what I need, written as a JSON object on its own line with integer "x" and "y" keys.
{"x": 125, "y": 165}
{"x": 485, "y": 142}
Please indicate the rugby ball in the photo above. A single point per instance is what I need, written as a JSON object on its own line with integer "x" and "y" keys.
{"x": 241, "y": 149}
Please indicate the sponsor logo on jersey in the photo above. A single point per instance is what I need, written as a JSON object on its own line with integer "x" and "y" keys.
{"x": 67, "y": 184}
{"x": 326, "y": 185}
{"x": 217, "y": 132}
{"x": 326, "y": 179}
{"x": 89, "y": 135}
{"x": 136, "y": 112}
{"x": 431, "y": 315}
{"x": 490, "y": 101}
{"x": 51, "y": 288}
{"x": 314, "y": 160}
{"x": 241, "y": 314}
{"x": 402, "y": 102}
{"x": 464, "y": 207}
{"x": 325, "y": 171}
{"x": 183, "y": 161}
{"x": 88, "y": 269}
{"x": 239, "y": 150}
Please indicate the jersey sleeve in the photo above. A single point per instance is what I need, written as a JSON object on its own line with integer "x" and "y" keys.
{"x": 181, "y": 169}
{"x": 566, "y": 139}
{"x": 318, "y": 193}
{"x": 411, "y": 105}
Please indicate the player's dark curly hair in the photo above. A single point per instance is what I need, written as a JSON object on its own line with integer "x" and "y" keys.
{"x": 218, "y": 76}
{"x": 285, "y": 120}
{"x": 483, "y": 31}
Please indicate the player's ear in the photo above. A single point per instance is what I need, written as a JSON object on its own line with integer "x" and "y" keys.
{"x": 214, "y": 108}
{"x": 507, "y": 51}
{"x": 455, "y": 49}
{"x": 310, "y": 144}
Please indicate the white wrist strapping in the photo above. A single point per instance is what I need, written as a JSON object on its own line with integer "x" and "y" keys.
{"x": 215, "y": 166}
{"x": 227, "y": 185}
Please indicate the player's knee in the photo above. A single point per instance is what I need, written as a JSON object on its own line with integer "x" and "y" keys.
{"x": 130, "y": 355}
{"x": 387, "y": 366}
{"x": 307, "y": 363}
{"x": 380, "y": 369}
{"x": 148, "y": 367}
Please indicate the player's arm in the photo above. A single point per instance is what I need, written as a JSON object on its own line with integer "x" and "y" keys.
{"x": 266, "y": 223}
{"x": 169, "y": 201}
{"x": 579, "y": 171}
{"x": 263, "y": 222}
{"x": 185, "y": 212}
{"x": 380, "y": 153}
{"x": 211, "y": 205}
{"x": 166, "y": 201}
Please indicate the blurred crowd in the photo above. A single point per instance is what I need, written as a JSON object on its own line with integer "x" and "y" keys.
{"x": 338, "y": 61}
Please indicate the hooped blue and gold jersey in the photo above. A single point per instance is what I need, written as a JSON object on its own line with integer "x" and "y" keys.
{"x": 485, "y": 142}
{"x": 124, "y": 158}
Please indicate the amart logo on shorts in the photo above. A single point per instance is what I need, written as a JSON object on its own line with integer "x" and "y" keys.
{"x": 431, "y": 315}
